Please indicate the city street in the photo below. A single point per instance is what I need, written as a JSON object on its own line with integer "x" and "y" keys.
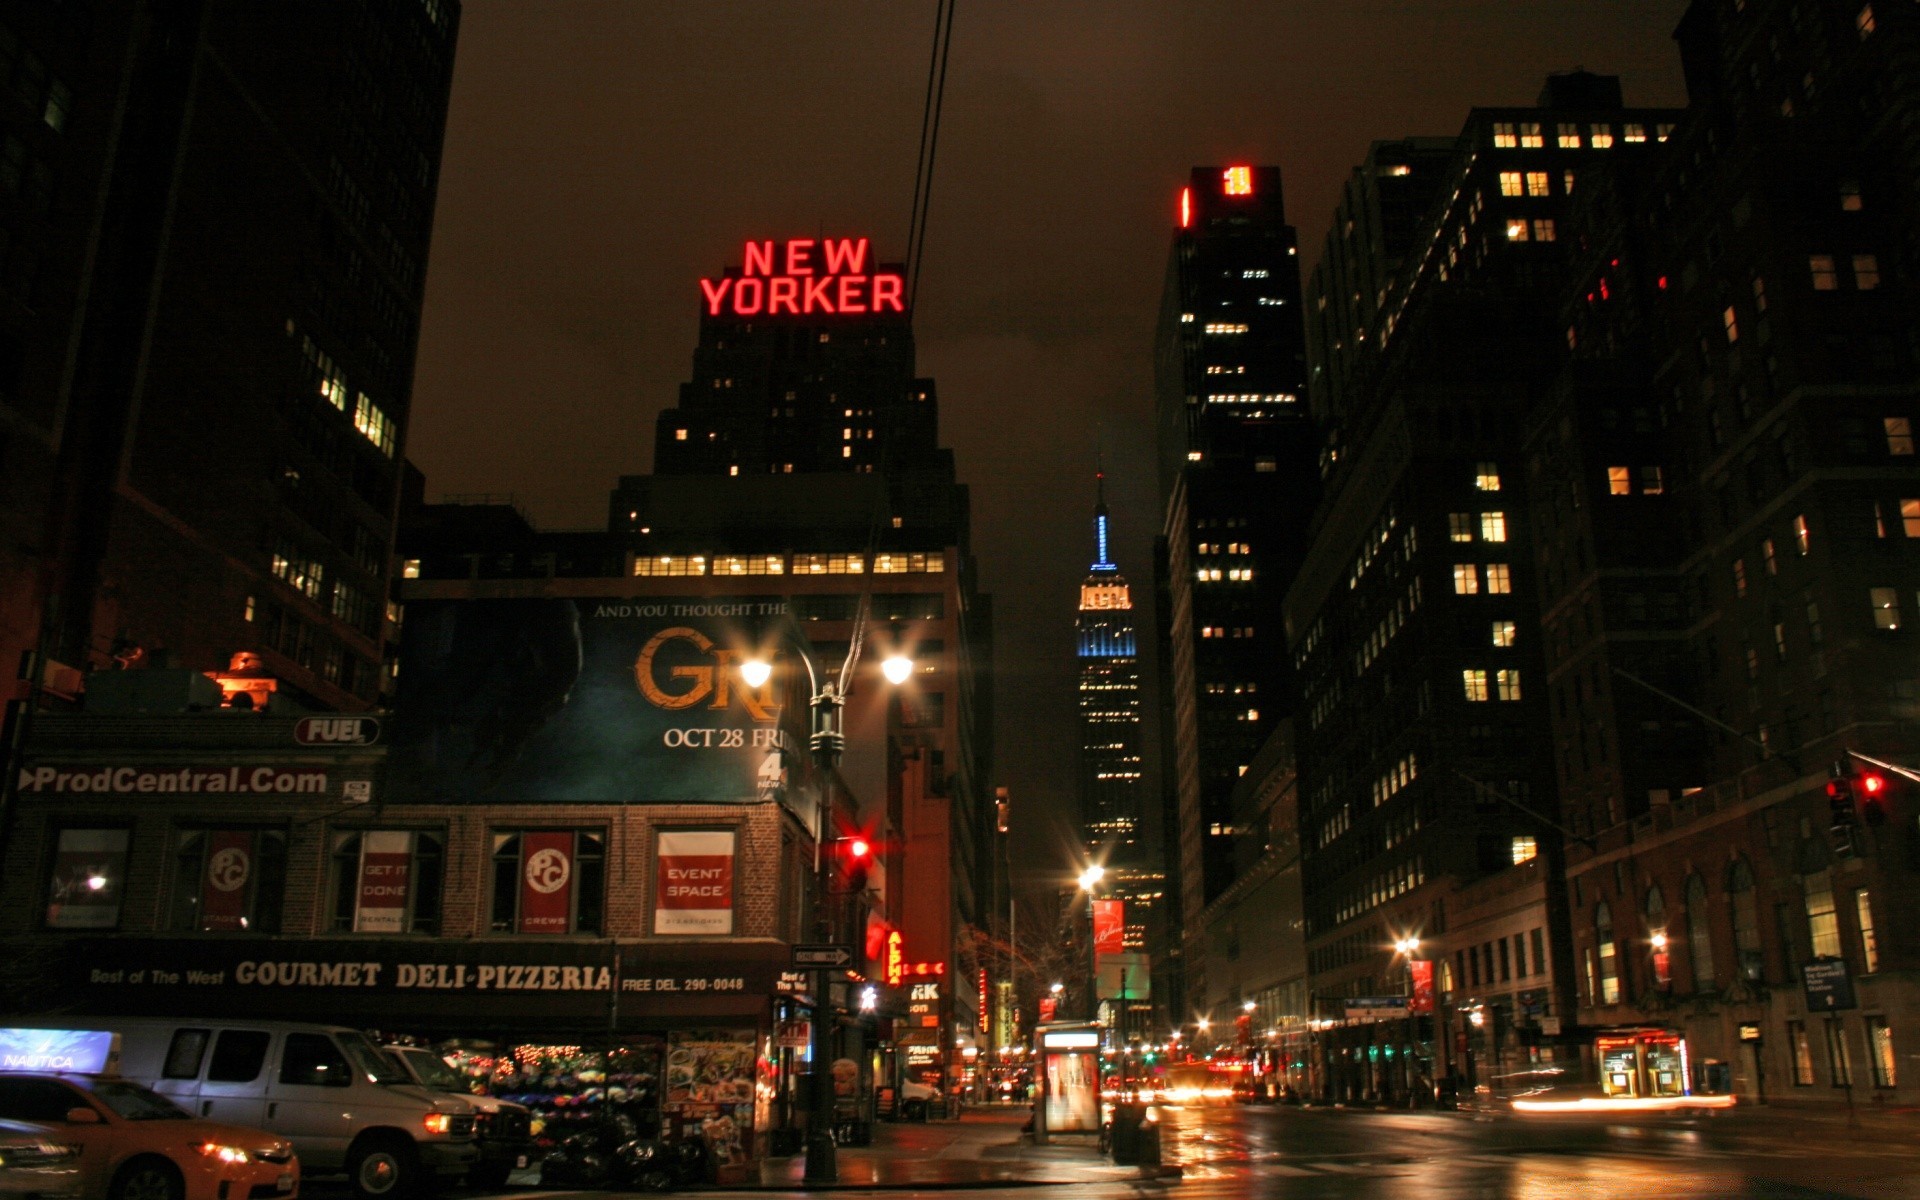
{"x": 1321, "y": 1154}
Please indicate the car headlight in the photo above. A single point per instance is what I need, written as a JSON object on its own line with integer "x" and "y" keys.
{"x": 224, "y": 1152}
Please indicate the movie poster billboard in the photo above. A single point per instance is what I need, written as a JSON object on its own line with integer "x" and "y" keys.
{"x": 616, "y": 700}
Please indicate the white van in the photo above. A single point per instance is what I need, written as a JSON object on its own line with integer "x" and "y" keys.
{"x": 326, "y": 1088}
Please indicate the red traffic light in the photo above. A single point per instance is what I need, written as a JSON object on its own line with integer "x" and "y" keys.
{"x": 1872, "y": 783}
{"x": 858, "y": 848}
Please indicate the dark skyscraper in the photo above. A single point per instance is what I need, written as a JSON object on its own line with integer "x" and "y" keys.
{"x": 1237, "y": 454}
{"x": 214, "y": 220}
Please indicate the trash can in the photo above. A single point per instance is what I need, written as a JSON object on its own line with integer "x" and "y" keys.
{"x": 1125, "y": 1140}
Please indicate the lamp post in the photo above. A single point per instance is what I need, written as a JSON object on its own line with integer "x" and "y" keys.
{"x": 826, "y": 740}
{"x": 1406, "y": 947}
{"x": 1090, "y": 884}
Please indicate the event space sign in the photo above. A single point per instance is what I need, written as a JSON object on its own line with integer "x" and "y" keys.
{"x": 617, "y": 700}
{"x": 693, "y": 882}
{"x": 806, "y": 277}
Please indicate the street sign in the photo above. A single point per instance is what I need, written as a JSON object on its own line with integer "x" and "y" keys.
{"x": 1829, "y": 987}
{"x": 822, "y": 956}
{"x": 1375, "y": 1008}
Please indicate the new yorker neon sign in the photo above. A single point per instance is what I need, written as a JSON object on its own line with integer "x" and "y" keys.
{"x": 803, "y": 276}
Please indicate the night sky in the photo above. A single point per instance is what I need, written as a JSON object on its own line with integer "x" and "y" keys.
{"x": 603, "y": 156}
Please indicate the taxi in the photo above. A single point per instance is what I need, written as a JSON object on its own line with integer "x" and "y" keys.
{"x": 134, "y": 1144}
{"x": 35, "y": 1163}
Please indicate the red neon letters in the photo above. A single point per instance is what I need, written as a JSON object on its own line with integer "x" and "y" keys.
{"x": 805, "y": 276}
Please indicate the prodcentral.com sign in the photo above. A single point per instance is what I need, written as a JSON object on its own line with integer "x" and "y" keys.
{"x": 121, "y": 781}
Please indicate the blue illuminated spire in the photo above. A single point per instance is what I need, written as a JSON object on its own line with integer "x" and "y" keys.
{"x": 1103, "y": 563}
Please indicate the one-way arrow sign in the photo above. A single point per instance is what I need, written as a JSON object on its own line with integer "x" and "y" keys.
{"x": 822, "y": 956}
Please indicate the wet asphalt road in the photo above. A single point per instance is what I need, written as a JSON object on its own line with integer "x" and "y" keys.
{"x": 1235, "y": 1153}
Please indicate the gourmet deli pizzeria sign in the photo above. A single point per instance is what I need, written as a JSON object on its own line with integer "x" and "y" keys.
{"x": 804, "y": 277}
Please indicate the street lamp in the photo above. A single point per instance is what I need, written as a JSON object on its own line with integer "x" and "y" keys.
{"x": 1090, "y": 884}
{"x": 825, "y": 742}
{"x": 1406, "y": 947}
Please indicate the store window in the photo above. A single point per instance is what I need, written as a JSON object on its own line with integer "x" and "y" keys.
{"x": 549, "y": 881}
{"x": 1609, "y": 955}
{"x": 1839, "y": 1059}
{"x": 1823, "y": 923}
{"x": 1802, "y": 1053}
{"x": 87, "y": 879}
{"x": 1869, "y": 941}
{"x": 1880, "y": 1053}
{"x": 386, "y": 881}
{"x": 229, "y": 880}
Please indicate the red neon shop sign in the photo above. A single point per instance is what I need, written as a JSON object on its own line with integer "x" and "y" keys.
{"x": 805, "y": 276}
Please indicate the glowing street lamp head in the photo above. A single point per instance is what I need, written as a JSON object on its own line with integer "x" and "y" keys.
{"x": 1204, "y": 1023}
{"x": 898, "y": 668}
{"x": 1406, "y": 945}
{"x": 756, "y": 672}
{"x": 1091, "y": 877}
{"x": 1659, "y": 940}
{"x": 1057, "y": 988}
{"x": 1248, "y": 1006}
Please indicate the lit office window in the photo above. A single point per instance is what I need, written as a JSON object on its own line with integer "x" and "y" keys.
{"x": 1507, "y": 682}
{"x": 1475, "y": 684}
{"x": 1821, "y": 268}
{"x": 1466, "y": 579}
{"x": 1620, "y": 481}
{"x": 1499, "y": 581}
{"x": 1899, "y": 435}
{"x": 1493, "y": 527}
{"x": 1486, "y": 476}
{"x": 1510, "y": 183}
{"x": 1537, "y": 183}
{"x": 1886, "y": 607}
{"x": 1866, "y": 272}
{"x": 1525, "y": 849}
{"x": 1503, "y": 633}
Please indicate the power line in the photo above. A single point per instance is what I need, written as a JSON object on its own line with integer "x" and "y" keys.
{"x": 929, "y": 146}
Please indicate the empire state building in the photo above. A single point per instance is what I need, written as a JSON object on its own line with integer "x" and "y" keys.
{"x": 1111, "y": 785}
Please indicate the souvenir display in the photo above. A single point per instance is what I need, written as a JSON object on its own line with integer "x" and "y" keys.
{"x": 710, "y": 1091}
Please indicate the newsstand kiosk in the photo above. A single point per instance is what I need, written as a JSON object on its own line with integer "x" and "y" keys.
{"x": 1068, "y": 1056}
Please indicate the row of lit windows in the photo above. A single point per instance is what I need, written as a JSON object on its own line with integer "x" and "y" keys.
{"x": 1226, "y": 327}
{"x": 1620, "y": 481}
{"x": 1505, "y": 684}
{"x": 1395, "y": 882}
{"x": 1232, "y": 574}
{"x": 1540, "y": 229}
{"x": 1398, "y": 776}
{"x": 1218, "y": 369}
{"x": 330, "y": 380}
{"x": 1222, "y": 631}
{"x": 1467, "y": 579}
{"x": 1493, "y": 526}
{"x": 1224, "y": 547}
{"x": 1825, "y": 272}
{"x": 888, "y": 563}
{"x": 1527, "y": 135}
{"x": 1390, "y": 624}
{"x": 1251, "y": 398}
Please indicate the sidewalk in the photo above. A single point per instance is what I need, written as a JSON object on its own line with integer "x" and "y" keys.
{"x": 984, "y": 1148}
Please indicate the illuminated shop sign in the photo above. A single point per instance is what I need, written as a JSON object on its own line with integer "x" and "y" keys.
{"x": 81, "y": 1051}
{"x": 805, "y": 276}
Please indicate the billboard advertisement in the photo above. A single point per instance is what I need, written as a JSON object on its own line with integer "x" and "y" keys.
{"x": 616, "y": 700}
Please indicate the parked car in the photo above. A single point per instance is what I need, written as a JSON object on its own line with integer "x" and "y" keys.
{"x": 502, "y": 1130}
{"x": 916, "y": 1100}
{"x": 135, "y": 1144}
{"x": 345, "y": 1106}
{"x": 36, "y": 1161}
